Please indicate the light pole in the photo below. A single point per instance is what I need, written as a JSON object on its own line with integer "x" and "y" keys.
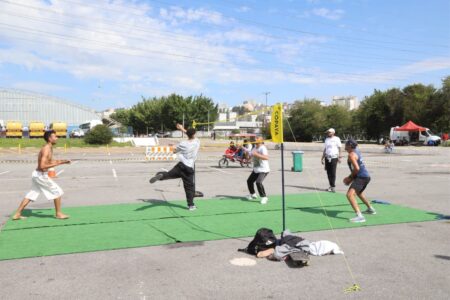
{"x": 264, "y": 120}
{"x": 208, "y": 122}
{"x": 182, "y": 132}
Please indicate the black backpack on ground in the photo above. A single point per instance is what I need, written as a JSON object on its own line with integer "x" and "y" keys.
{"x": 264, "y": 239}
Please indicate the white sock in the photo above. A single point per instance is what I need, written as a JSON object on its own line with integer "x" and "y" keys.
{"x": 359, "y": 214}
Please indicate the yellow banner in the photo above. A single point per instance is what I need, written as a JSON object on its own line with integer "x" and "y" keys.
{"x": 276, "y": 125}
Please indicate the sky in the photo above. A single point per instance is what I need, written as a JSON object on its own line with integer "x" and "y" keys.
{"x": 111, "y": 53}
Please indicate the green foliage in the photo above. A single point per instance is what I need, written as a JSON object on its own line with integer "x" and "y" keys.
{"x": 122, "y": 116}
{"x": 337, "y": 117}
{"x": 307, "y": 119}
{"x": 424, "y": 105}
{"x": 240, "y": 110}
{"x": 162, "y": 114}
{"x": 99, "y": 135}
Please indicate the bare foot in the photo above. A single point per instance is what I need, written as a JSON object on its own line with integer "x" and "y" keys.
{"x": 18, "y": 217}
{"x": 61, "y": 216}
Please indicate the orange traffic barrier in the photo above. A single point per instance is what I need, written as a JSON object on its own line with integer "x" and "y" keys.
{"x": 160, "y": 153}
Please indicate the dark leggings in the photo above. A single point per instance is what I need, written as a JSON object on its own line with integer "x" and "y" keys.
{"x": 187, "y": 175}
{"x": 331, "y": 170}
{"x": 258, "y": 178}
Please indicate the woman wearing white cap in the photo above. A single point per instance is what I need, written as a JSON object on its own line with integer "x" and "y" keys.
{"x": 331, "y": 156}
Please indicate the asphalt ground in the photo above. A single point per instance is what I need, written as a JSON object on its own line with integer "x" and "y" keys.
{"x": 399, "y": 261}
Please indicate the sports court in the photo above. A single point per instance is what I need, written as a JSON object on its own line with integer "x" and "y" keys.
{"x": 134, "y": 239}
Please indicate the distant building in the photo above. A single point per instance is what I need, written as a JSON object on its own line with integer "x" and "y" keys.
{"x": 349, "y": 102}
{"x": 16, "y": 105}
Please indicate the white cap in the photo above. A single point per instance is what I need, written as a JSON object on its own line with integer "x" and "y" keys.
{"x": 331, "y": 130}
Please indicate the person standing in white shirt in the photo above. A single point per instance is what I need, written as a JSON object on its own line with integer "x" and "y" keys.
{"x": 260, "y": 170}
{"x": 331, "y": 156}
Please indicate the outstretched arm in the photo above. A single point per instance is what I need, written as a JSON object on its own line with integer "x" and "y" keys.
{"x": 181, "y": 127}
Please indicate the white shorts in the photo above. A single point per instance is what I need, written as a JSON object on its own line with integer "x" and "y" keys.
{"x": 40, "y": 182}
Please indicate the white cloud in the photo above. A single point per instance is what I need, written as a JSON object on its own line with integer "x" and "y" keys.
{"x": 243, "y": 9}
{"x": 326, "y": 13}
{"x": 177, "y": 15}
{"x": 151, "y": 55}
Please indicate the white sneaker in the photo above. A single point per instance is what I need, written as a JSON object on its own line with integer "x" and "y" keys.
{"x": 251, "y": 197}
{"x": 264, "y": 200}
{"x": 358, "y": 219}
{"x": 331, "y": 189}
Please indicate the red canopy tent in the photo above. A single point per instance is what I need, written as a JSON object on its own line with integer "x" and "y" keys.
{"x": 410, "y": 126}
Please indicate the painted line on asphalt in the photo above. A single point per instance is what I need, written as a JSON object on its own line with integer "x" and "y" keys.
{"x": 114, "y": 173}
{"x": 219, "y": 170}
{"x": 5, "y": 172}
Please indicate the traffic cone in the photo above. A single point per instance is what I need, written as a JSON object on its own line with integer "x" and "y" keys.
{"x": 51, "y": 173}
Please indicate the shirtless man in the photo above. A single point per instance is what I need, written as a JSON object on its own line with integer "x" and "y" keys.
{"x": 40, "y": 182}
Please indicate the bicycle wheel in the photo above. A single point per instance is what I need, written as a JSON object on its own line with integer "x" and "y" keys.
{"x": 223, "y": 162}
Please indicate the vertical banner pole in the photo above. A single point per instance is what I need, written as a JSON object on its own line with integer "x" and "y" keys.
{"x": 276, "y": 131}
{"x": 282, "y": 186}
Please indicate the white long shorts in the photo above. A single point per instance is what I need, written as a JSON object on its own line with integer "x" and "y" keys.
{"x": 41, "y": 183}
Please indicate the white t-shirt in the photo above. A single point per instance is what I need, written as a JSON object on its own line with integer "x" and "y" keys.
{"x": 332, "y": 146}
{"x": 261, "y": 165}
{"x": 187, "y": 151}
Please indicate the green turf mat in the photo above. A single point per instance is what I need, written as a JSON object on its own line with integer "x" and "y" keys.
{"x": 152, "y": 222}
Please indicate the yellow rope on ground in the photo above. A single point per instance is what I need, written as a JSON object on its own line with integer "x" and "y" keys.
{"x": 355, "y": 287}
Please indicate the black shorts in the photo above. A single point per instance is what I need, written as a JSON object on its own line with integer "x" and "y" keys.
{"x": 359, "y": 184}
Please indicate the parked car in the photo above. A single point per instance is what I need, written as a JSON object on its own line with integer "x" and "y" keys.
{"x": 163, "y": 134}
{"x": 77, "y": 133}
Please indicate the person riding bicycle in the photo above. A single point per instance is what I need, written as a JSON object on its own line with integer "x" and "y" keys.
{"x": 232, "y": 147}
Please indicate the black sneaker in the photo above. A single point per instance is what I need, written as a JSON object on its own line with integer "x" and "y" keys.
{"x": 198, "y": 194}
{"x": 156, "y": 178}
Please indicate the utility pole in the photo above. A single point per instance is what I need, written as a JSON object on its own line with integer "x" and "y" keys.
{"x": 265, "y": 116}
{"x": 208, "y": 122}
{"x": 182, "y": 132}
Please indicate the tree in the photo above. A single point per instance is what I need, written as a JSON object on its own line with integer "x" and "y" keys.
{"x": 99, "y": 135}
{"x": 240, "y": 110}
{"x": 156, "y": 114}
{"x": 337, "y": 117}
{"x": 438, "y": 114}
{"x": 417, "y": 103}
{"x": 373, "y": 114}
{"x": 307, "y": 119}
{"x": 122, "y": 116}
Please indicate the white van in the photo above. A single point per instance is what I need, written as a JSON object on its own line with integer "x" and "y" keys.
{"x": 407, "y": 137}
{"x": 86, "y": 127}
